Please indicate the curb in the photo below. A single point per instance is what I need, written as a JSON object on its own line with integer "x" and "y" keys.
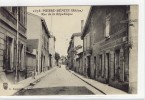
{"x": 31, "y": 83}
{"x": 88, "y": 83}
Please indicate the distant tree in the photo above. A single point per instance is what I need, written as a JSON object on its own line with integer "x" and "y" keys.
{"x": 63, "y": 59}
{"x": 57, "y": 57}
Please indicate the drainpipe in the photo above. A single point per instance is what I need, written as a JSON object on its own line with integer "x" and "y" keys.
{"x": 83, "y": 71}
{"x": 17, "y": 41}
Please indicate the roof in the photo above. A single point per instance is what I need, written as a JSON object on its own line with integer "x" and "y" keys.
{"x": 34, "y": 15}
{"x": 32, "y": 44}
{"x": 86, "y": 23}
{"x": 45, "y": 26}
{"x": 69, "y": 46}
{"x": 75, "y": 34}
{"x": 52, "y": 36}
{"x": 43, "y": 22}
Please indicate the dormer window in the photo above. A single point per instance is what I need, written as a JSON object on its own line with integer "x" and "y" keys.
{"x": 107, "y": 28}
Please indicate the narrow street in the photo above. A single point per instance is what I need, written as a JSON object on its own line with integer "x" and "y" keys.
{"x": 69, "y": 50}
{"x": 60, "y": 82}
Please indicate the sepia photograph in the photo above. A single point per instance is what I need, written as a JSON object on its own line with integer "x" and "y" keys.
{"x": 69, "y": 50}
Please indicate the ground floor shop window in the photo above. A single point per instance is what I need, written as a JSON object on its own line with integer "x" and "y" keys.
{"x": 122, "y": 65}
{"x": 126, "y": 65}
{"x": 107, "y": 64}
{"x": 88, "y": 66}
{"x": 21, "y": 56}
{"x": 8, "y": 54}
{"x": 117, "y": 64}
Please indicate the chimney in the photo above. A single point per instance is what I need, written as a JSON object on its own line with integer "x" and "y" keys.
{"x": 82, "y": 23}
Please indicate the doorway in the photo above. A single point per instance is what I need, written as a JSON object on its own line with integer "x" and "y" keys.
{"x": 50, "y": 60}
{"x": 8, "y": 58}
{"x": 95, "y": 65}
{"x": 41, "y": 69}
{"x": 88, "y": 66}
{"x": 117, "y": 64}
{"x": 107, "y": 67}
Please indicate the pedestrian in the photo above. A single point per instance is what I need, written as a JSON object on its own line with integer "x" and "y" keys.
{"x": 33, "y": 74}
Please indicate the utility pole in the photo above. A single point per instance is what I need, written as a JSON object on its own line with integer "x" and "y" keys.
{"x": 51, "y": 25}
{"x": 17, "y": 41}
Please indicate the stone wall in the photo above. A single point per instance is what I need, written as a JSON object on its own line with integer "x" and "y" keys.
{"x": 111, "y": 51}
{"x": 30, "y": 64}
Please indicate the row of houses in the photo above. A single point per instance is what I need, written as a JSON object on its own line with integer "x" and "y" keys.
{"x": 110, "y": 47}
{"x": 26, "y": 46}
{"x": 74, "y": 52}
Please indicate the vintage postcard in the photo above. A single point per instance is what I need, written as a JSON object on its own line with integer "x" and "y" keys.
{"x": 69, "y": 50}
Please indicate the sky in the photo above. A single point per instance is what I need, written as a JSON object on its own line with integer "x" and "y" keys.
{"x": 62, "y": 26}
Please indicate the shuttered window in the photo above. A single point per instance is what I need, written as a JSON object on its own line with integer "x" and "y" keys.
{"x": 107, "y": 28}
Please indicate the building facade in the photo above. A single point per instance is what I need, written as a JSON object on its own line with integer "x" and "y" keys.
{"x": 110, "y": 46}
{"x": 79, "y": 63}
{"x": 52, "y": 61}
{"x": 79, "y": 54}
{"x": 39, "y": 30}
{"x": 13, "y": 22}
{"x": 70, "y": 55}
{"x": 73, "y": 50}
{"x": 63, "y": 60}
{"x": 30, "y": 64}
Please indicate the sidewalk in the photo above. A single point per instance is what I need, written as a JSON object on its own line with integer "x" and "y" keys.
{"x": 13, "y": 88}
{"x": 104, "y": 88}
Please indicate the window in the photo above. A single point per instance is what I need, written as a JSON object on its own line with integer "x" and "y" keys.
{"x": 107, "y": 64}
{"x": 88, "y": 41}
{"x": 21, "y": 15}
{"x": 14, "y": 11}
{"x": 95, "y": 61}
{"x": 9, "y": 9}
{"x": 8, "y": 58}
{"x": 100, "y": 64}
{"x": 107, "y": 28}
{"x": 95, "y": 66}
